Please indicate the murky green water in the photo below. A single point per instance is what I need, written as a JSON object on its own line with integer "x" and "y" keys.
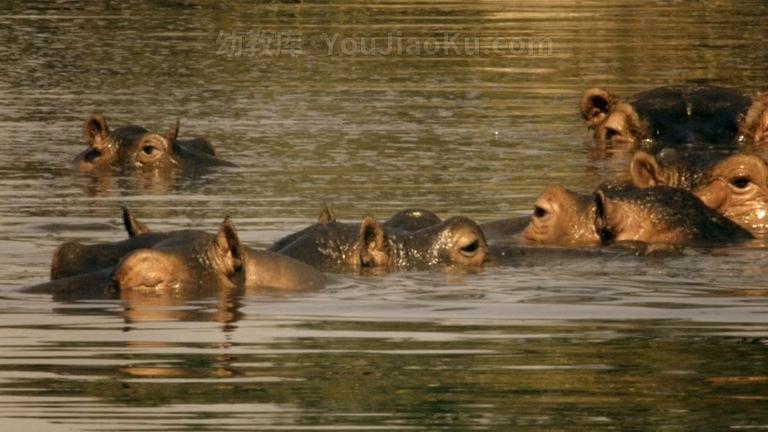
{"x": 464, "y": 108}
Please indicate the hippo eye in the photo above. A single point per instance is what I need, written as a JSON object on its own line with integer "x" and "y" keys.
{"x": 470, "y": 249}
{"x": 539, "y": 212}
{"x": 148, "y": 150}
{"x": 740, "y": 182}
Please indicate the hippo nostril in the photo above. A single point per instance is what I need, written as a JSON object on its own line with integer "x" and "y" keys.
{"x": 611, "y": 133}
{"x": 605, "y": 235}
{"x": 92, "y": 155}
{"x": 470, "y": 249}
{"x": 539, "y": 212}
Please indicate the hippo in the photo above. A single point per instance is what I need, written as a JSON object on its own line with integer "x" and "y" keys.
{"x": 185, "y": 259}
{"x": 735, "y": 185}
{"x": 622, "y": 212}
{"x": 695, "y": 114}
{"x": 134, "y": 147}
{"x": 337, "y": 246}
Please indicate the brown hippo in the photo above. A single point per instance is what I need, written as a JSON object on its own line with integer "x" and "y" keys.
{"x": 455, "y": 242}
{"x": 673, "y": 115}
{"x": 185, "y": 259}
{"x": 736, "y": 186}
{"x": 133, "y": 147}
{"x": 620, "y": 212}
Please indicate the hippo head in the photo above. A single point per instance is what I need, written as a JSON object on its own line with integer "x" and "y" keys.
{"x": 661, "y": 215}
{"x": 562, "y": 217}
{"x": 456, "y": 242}
{"x": 133, "y": 147}
{"x": 613, "y": 121}
{"x": 194, "y": 260}
{"x": 736, "y": 186}
{"x": 104, "y": 146}
{"x": 623, "y": 212}
{"x": 695, "y": 114}
{"x": 370, "y": 245}
{"x": 754, "y": 126}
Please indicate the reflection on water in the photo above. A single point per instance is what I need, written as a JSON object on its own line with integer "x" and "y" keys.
{"x": 549, "y": 342}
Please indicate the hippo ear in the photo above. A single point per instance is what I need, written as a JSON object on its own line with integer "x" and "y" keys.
{"x": 760, "y": 130}
{"x": 372, "y": 245}
{"x": 755, "y": 123}
{"x": 96, "y": 130}
{"x": 645, "y": 170}
{"x": 602, "y": 223}
{"x": 326, "y": 216}
{"x": 133, "y": 226}
{"x": 228, "y": 249}
{"x": 172, "y": 134}
{"x": 595, "y": 105}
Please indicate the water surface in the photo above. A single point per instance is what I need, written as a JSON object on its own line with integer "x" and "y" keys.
{"x": 475, "y": 114}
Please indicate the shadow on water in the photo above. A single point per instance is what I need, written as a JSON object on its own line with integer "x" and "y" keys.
{"x": 541, "y": 343}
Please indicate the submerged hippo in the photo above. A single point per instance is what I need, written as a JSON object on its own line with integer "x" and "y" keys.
{"x": 673, "y": 115}
{"x": 133, "y": 147}
{"x": 736, "y": 186}
{"x": 329, "y": 244}
{"x": 620, "y": 212}
{"x": 186, "y": 259}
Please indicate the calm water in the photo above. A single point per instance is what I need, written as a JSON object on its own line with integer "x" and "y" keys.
{"x": 464, "y": 108}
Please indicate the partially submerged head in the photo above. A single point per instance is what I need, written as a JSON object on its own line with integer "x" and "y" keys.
{"x": 194, "y": 260}
{"x": 135, "y": 148}
{"x": 612, "y": 120}
{"x": 370, "y": 245}
{"x": 691, "y": 114}
{"x": 661, "y": 214}
{"x": 736, "y": 185}
{"x": 623, "y": 212}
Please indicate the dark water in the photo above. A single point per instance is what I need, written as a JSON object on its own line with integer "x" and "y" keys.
{"x": 464, "y": 108}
